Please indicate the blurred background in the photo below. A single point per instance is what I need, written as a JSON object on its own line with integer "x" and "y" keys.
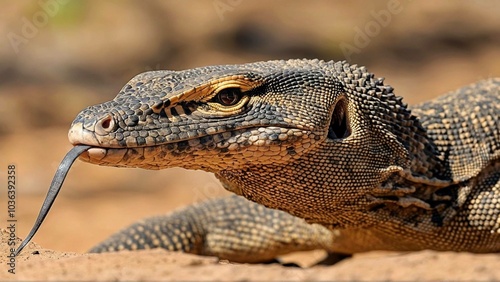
{"x": 60, "y": 56}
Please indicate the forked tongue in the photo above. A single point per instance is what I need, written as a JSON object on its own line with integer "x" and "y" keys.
{"x": 54, "y": 189}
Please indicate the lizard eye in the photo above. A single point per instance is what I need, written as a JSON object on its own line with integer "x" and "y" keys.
{"x": 229, "y": 96}
{"x": 227, "y": 101}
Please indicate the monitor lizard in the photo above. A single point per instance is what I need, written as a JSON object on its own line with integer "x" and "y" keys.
{"x": 337, "y": 159}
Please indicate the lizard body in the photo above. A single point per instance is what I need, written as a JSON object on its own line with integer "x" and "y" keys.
{"x": 323, "y": 141}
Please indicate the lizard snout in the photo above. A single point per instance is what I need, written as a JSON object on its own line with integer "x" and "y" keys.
{"x": 84, "y": 132}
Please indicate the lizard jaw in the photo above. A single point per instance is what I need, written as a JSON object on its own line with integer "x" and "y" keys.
{"x": 235, "y": 148}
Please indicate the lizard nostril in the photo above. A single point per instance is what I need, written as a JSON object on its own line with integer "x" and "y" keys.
{"x": 105, "y": 125}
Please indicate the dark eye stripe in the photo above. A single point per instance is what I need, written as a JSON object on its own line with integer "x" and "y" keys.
{"x": 186, "y": 109}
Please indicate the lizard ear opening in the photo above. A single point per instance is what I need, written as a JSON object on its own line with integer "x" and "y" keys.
{"x": 339, "y": 124}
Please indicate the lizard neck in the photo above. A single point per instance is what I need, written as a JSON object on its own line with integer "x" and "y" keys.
{"x": 343, "y": 183}
{"x": 327, "y": 185}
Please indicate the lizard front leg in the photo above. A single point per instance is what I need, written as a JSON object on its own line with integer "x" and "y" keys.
{"x": 230, "y": 228}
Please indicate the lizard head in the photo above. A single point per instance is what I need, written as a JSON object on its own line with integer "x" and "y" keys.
{"x": 213, "y": 118}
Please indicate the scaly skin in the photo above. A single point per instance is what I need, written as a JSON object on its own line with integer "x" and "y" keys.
{"x": 324, "y": 141}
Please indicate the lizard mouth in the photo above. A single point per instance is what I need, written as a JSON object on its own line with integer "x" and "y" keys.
{"x": 206, "y": 151}
{"x": 156, "y": 153}
{"x": 96, "y": 153}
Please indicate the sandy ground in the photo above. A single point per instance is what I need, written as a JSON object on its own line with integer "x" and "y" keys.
{"x": 38, "y": 264}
